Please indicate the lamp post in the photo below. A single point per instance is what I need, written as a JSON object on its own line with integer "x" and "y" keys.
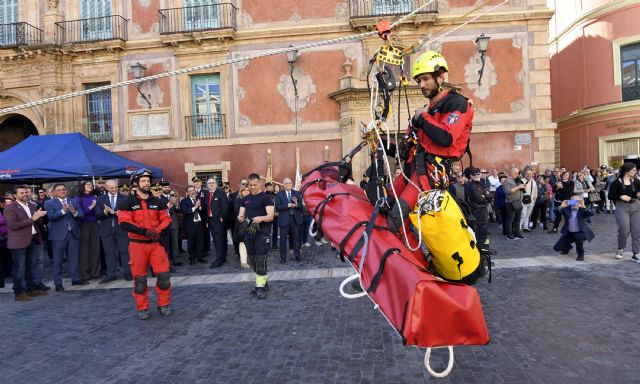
{"x": 292, "y": 57}
{"x": 482, "y": 42}
{"x": 138, "y": 72}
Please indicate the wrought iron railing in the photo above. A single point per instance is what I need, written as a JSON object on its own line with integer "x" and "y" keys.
{"x": 92, "y": 30}
{"x": 372, "y": 8}
{"x": 18, "y": 34}
{"x": 631, "y": 93}
{"x": 200, "y": 127}
{"x": 100, "y": 127}
{"x": 198, "y": 18}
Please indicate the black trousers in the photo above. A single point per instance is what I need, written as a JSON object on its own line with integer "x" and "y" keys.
{"x": 512, "y": 221}
{"x": 556, "y": 222}
{"x": 292, "y": 231}
{"x": 195, "y": 242}
{"x": 482, "y": 220}
{"x": 574, "y": 237}
{"x": 218, "y": 233}
{"x": 540, "y": 212}
{"x": 258, "y": 247}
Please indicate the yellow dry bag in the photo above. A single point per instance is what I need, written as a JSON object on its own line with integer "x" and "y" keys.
{"x": 449, "y": 240}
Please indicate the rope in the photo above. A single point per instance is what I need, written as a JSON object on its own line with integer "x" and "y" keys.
{"x": 447, "y": 370}
{"x": 207, "y": 66}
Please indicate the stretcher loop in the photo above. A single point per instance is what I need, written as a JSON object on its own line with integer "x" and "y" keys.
{"x": 351, "y": 295}
{"x": 312, "y": 233}
{"x": 444, "y": 373}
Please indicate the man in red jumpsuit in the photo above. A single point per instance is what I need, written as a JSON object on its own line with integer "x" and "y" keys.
{"x": 145, "y": 217}
{"x": 442, "y": 128}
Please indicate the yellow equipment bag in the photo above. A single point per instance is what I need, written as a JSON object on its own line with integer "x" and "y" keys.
{"x": 449, "y": 240}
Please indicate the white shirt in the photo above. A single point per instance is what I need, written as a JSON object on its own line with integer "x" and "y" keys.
{"x": 26, "y": 208}
{"x": 494, "y": 183}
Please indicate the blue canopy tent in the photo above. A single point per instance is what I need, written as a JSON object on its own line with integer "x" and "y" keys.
{"x": 69, "y": 156}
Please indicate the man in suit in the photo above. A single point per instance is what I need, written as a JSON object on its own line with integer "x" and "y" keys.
{"x": 25, "y": 242}
{"x": 200, "y": 191}
{"x": 65, "y": 216}
{"x": 173, "y": 232}
{"x": 216, "y": 205}
{"x": 193, "y": 213}
{"x": 288, "y": 204}
{"x": 42, "y": 197}
{"x": 115, "y": 240}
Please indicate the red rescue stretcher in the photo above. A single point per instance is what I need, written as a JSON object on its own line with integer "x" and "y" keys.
{"x": 425, "y": 310}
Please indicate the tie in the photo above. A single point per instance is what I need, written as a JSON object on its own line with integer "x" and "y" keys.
{"x": 64, "y": 202}
{"x": 196, "y": 215}
{"x": 210, "y": 198}
{"x": 113, "y": 206}
{"x": 289, "y": 196}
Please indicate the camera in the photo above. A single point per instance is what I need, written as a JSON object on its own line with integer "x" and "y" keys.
{"x": 573, "y": 202}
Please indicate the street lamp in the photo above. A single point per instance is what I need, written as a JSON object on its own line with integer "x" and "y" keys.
{"x": 482, "y": 42}
{"x": 138, "y": 72}
{"x": 292, "y": 57}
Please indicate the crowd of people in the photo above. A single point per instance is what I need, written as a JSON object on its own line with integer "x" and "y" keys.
{"x": 87, "y": 230}
{"x": 522, "y": 200}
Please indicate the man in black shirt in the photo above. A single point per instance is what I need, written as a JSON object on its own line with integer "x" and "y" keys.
{"x": 257, "y": 211}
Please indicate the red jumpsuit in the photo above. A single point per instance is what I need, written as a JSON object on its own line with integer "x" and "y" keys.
{"x": 443, "y": 131}
{"x": 137, "y": 216}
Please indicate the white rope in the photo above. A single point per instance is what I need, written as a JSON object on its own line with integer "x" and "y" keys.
{"x": 447, "y": 370}
{"x": 207, "y": 66}
{"x": 351, "y": 295}
{"x": 422, "y": 45}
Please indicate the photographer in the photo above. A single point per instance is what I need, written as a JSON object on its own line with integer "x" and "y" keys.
{"x": 563, "y": 190}
{"x": 624, "y": 192}
{"x": 575, "y": 228}
{"x": 513, "y": 189}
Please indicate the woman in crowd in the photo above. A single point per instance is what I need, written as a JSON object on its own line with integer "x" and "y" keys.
{"x": 624, "y": 192}
{"x": 239, "y": 228}
{"x": 597, "y": 196}
{"x": 89, "y": 261}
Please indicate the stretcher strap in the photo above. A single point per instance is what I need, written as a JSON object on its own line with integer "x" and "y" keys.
{"x": 376, "y": 278}
{"x": 319, "y": 211}
{"x": 361, "y": 242}
{"x": 344, "y": 241}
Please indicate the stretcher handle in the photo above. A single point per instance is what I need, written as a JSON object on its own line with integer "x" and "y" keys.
{"x": 311, "y": 231}
{"x": 351, "y": 295}
{"x": 447, "y": 371}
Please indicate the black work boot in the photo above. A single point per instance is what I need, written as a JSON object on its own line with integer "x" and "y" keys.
{"x": 144, "y": 314}
{"x": 261, "y": 293}
{"x": 165, "y": 311}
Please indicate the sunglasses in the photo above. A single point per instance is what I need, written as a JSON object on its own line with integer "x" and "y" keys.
{"x": 475, "y": 174}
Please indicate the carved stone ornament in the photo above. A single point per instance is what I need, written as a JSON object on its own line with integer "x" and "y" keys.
{"x": 489, "y": 76}
{"x": 305, "y": 85}
{"x": 341, "y": 12}
{"x": 53, "y": 4}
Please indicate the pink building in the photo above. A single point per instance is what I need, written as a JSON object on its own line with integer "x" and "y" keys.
{"x": 595, "y": 80}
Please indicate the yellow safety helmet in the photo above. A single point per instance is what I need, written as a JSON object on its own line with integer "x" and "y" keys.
{"x": 429, "y": 62}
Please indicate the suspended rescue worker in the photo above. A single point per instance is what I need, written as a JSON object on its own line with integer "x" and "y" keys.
{"x": 441, "y": 130}
{"x": 145, "y": 217}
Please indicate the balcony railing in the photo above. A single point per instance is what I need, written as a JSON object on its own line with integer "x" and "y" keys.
{"x": 19, "y": 34}
{"x": 92, "y": 30}
{"x": 198, "y": 18}
{"x": 101, "y": 137}
{"x": 631, "y": 93}
{"x": 201, "y": 127}
{"x": 373, "y": 8}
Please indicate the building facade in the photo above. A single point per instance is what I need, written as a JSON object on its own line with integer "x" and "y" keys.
{"x": 231, "y": 120}
{"x": 595, "y": 81}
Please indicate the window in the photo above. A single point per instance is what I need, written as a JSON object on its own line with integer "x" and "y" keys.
{"x": 206, "y": 120}
{"x": 99, "y": 121}
{"x": 392, "y": 7}
{"x": 208, "y": 175}
{"x": 630, "y": 57}
{"x": 8, "y": 16}
{"x": 96, "y": 20}
{"x": 201, "y": 14}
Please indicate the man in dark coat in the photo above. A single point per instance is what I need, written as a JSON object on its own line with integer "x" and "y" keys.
{"x": 575, "y": 228}
{"x": 288, "y": 203}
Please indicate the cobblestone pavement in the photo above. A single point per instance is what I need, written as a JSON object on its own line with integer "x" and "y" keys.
{"x": 570, "y": 324}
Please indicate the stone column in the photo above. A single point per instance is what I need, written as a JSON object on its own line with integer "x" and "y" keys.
{"x": 52, "y": 16}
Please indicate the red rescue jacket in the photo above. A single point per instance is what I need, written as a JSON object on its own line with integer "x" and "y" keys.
{"x": 136, "y": 215}
{"x": 445, "y": 129}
